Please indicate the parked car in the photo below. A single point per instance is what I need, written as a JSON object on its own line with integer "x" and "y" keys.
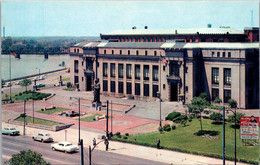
{"x": 7, "y": 84}
{"x": 10, "y": 131}
{"x": 42, "y": 137}
{"x": 41, "y": 78}
{"x": 64, "y": 146}
{"x": 18, "y": 82}
{"x": 40, "y": 85}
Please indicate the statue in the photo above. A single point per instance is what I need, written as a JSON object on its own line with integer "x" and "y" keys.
{"x": 96, "y": 92}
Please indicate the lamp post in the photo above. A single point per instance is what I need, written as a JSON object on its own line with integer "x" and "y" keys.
{"x": 223, "y": 147}
{"x": 24, "y": 120}
{"x": 10, "y": 78}
{"x": 235, "y": 116}
{"x": 160, "y": 95}
{"x": 78, "y": 98}
{"x": 39, "y": 73}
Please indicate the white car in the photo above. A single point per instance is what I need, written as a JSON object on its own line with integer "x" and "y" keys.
{"x": 42, "y": 137}
{"x": 64, "y": 146}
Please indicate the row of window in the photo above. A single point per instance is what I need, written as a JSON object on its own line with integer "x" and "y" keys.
{"x": 215, "y": 94}
{"x": 227, "y": 76}
{"x": 223, "y": 54}
{"x": 121, "y": 70}
{"x": 120, "y": 86}
{"x": 132, "y": 52}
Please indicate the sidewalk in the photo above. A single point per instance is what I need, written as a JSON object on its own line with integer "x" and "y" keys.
{"x": 165, "y": 156}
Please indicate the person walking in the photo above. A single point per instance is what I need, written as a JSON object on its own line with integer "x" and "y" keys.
{"x": 106, "y": 143}
{"x": 94, "y": 142}
{"x": 158, "y": 143}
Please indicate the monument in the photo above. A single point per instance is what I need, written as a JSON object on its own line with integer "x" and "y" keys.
{"x": 96, "y": 102}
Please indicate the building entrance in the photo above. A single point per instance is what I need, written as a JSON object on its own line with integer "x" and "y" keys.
{"x": 89, "y": 83}
{"x": 174, "y": 92}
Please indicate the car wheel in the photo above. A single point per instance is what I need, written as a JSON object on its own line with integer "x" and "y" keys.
{"x": 66, "y": 151}
{"x": 41, "y": 140}
{"x": 33, "y": 138}
{"x": 53, "y": 149}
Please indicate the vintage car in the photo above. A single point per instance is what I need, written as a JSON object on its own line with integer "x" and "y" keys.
{"x": 42, "y": 137}
{"x": 10, "y": 131}
{"x": 64, "y": 146}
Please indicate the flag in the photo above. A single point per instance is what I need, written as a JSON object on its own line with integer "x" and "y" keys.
{"x": 13, "y": 53}
{"x": 163, "y": 60}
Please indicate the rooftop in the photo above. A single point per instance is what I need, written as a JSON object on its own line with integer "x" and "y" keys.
{"x": 175, "y": 31}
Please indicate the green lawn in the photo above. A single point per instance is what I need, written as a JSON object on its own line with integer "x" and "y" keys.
{"x": 89, "y": 118}
{"x": 69, "y": 89}
{"x": 38, "y": 121}
{"x": 66, "y": 79}
{"x": 30, "y": 94}
{"x": 183, "y": 138}
{"x": 57, "y": 109}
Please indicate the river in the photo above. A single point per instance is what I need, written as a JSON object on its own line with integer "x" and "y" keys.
{"x": 31, "y": 64}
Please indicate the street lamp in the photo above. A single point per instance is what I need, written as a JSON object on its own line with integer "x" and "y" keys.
{"x": 159, "y": 96}
{"x": 235, "y": 116}
{"x": 78, "y": 98}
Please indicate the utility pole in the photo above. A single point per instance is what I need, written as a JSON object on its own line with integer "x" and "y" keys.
{"x": 89, "y": 152}
{"x": 107, "y": 121}
{"x": 111, "y": 118}
{"x": 224, "y": 148}
{"x": 79, "y": 120}
{"x": 82, "y": 152}
{"x": 24, "y": 117}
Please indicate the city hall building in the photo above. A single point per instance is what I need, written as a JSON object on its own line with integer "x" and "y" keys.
{"x": 221, "y": 62}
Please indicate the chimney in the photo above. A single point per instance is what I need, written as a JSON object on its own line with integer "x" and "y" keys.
{"x": 175, "y": 31}
{"x": 146, "y": 27}
{"x": 209, "y": 25}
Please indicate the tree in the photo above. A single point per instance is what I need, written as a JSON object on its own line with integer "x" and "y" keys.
{"x": 231, "y": 118}
{"x": 232, "y": 103}
{"x": 216, "y": 116}
{"x": 68, "y": 84}
{"x": 28, "y": 157}
{"x": 217, "y": 100}
{"x": 25, "y": 83}
{"x": 2, "y": 82}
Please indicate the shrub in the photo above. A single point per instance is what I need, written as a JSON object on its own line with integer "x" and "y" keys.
{"x": 20, "y": 93}
{"x": 68, "y": 84}
{"x": 204, "y": 96}
{"x": 22, "y": 115}
{"x": 183, "y": 122}
{"x": 179, "y": 118}
{"x": 103, "y": 137}
{"x": 203, "y": 132}
{"x": 231, "y": 118}
{"x": 216, "y": 116}
{"x": 118, "y": 136}
{"x": 205, "y": 117}
{"x": 167, "y": 127}
{"x": 190, "y": 119}
{"x": 124, "y": 137}
{"x": 173, "y": 115}
{"x": 217, "y": 100}
{"x": 118, "y": 133}
{"x": 126, "y": 134}
{"x": 160, "y": 129}
{"x": 206, "y": 112}
{"x": 173, "y": 127}
{"x": 232, "y": 103}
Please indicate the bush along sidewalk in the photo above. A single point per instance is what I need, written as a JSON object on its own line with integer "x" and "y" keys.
{"x": 119, "y": 139}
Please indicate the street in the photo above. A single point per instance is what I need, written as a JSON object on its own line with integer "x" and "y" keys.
{"x": 15, "y": 144}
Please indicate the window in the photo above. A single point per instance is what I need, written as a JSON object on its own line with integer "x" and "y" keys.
{"x": 76, "y": 66}
{"x": 163, "y": 68}
{"x": 146, "y": 72}
{"x": 155, "y": 53}
{"x": 137, "y": 71}
{"x": 223, "y": 54}
{"x": 128, "y": 52}
{"x": 112, "y": 70}
{"x": 74, "y": 50}
{"x": 128, "y": 71}
{"x": 105, "y": 51}
{"x": 137, "y": 89}
{"x": 146, "y": 53}
{"x": 120, "y": 87}
{"x": 104, "y": 69}
{"x": 163, "y": 86}
{"x": 77, "y": 50}
{"x": 137, "y": 52}
{"x": 227, "y": 76}
{"x": 82, "y": 78}
{"x": 112, "y": 51}
{"x": 155, "y": 73}
{"x": 76, "y": 79}
{"x": 215, "y": 76}
{"x": 104, "y": 85}
{"x": 227, "y": 95}
{"x": 120, "y": 70}
{"x": 146, "y": 89}
{"x": 186, "y": 88}
{"x": 129, "y": 88}
{"x": 229, "y": 54}
{"x": 218, "y": 54}
{"x": 112, "y": 86}
{"x": 215, "y": 93}
{"x": 120, "y": 52}
{"x": 155, "y": 90}
{"x": 212, "y": 54}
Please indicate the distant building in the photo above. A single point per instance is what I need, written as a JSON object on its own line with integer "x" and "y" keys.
{"x": 134, "y": 69}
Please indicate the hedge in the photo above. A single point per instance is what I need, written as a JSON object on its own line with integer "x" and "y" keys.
{"x": 173, "y": 115}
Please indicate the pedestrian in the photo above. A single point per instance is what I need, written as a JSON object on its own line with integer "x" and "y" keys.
{"x": 94, "y": 142}
{"x": 106, "y": 143}
{"x": 158, "y": 143}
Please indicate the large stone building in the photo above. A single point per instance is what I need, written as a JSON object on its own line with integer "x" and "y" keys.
{"x": 136, "y": 69}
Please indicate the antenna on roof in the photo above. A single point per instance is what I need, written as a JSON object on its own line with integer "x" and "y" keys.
{"x": 252, "y": 20}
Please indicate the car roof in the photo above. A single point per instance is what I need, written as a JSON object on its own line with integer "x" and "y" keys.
{"x": 65, "y": 142}
{"x": 9, "y": 127}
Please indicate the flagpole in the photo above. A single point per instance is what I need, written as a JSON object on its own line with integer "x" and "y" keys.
{"x": 10, "y": 76}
